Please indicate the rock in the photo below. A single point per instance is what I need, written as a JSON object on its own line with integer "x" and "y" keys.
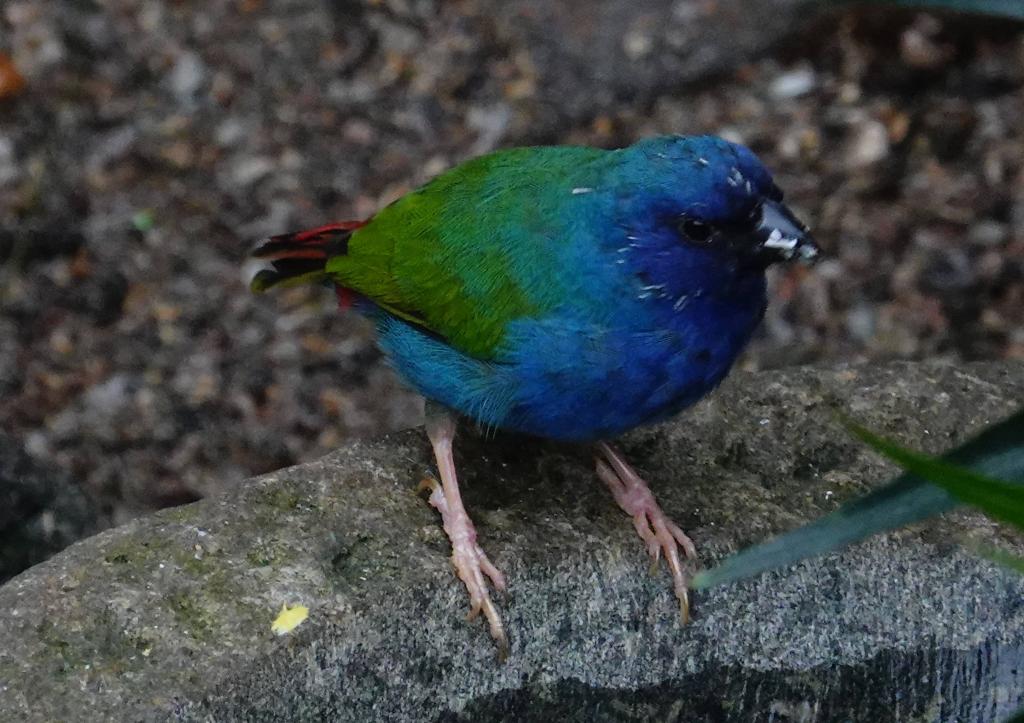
{"x": 169, "y": 617}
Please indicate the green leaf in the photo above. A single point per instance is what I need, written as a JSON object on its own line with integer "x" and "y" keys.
{"x": 997, "y": 8}
{"x": 1001, "y": 500}
{"x": 997, "y": 452}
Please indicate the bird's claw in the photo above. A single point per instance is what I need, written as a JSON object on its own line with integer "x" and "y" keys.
{"x": 659, "y": 534}
{"x": 471, "y": 564}
{"x": 663, "y": 536}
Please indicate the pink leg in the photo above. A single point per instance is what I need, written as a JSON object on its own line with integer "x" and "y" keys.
{"x": 469, "y": 560}
{"x": 658, "y": 532}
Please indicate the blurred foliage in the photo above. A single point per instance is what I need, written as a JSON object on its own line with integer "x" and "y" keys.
{"x": 987, "y": 472}
{"x": 1000, "y": 8}
{"x": 1000, "y": 500}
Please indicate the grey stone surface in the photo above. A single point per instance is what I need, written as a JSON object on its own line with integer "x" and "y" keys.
{"x": 168, "y": 617}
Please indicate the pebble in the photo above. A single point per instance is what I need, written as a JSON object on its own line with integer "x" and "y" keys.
{"x": 918, "y": 45}
{"x": 860, "y": 322}
{"x": 988, "y": 233}
{"x": 793, "y": 83}
{"x": 10, "y": 170}
{"x": 229, "y": 132}
{"x": 248, "y": 171}
{"x": 870, "y": 144}
{"x": 637, "y": 44}
{"x": 187, "y": 76}
{"x": 11, "y": 81}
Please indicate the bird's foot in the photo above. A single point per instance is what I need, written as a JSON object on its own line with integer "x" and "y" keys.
{"x": 659, "y": 533}
{"x": 471, "y": 563}
{"x": 468, "y": 559}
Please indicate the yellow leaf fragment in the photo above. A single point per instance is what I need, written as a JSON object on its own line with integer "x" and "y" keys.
{"x": 289, "y": 619}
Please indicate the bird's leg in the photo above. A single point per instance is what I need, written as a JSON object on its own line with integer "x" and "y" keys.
{"x": 658, "y": 532}
{"x": 469, "y": 560}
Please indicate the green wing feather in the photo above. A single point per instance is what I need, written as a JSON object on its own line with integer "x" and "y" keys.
{"x": 475, "y": 248}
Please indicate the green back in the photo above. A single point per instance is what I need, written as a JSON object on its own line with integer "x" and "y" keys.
{"x": 479, "y": 246}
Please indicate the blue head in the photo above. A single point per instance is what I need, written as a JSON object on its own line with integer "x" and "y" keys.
{"x": 703, "y": 211}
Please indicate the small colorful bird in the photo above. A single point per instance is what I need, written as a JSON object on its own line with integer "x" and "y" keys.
{"x": 569, "y": 293}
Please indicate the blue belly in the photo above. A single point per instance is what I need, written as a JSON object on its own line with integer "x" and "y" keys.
{"x": 562, "y": 378}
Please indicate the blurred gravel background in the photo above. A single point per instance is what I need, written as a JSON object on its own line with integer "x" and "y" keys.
{"x": 146, "y": 144}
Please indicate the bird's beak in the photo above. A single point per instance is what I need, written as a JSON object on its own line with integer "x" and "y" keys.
{"x": 780, "y": 236}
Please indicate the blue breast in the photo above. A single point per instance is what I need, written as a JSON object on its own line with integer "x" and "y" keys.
{"x": 583, "y": 384}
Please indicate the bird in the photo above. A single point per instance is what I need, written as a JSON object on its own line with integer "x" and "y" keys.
{"x": 566, "y": 292}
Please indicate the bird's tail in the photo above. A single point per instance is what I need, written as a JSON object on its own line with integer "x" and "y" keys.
{"x": 299, "y": 258}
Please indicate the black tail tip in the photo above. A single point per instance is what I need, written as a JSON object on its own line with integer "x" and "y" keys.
{"x": 263, "y": 280}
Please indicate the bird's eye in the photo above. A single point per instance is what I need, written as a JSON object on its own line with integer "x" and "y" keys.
{"x": 695, "y": 230}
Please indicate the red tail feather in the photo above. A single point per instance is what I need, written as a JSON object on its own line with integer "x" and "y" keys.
{"x": 302, "y": 256}
{"x": 318, "y": 234}
{"x": 329, "y": 240}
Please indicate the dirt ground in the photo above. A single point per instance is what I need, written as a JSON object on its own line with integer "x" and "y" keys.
{"x": 152, "y": 142}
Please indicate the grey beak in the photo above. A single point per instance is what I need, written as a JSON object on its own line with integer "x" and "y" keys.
{"x": 783, "y": 237}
